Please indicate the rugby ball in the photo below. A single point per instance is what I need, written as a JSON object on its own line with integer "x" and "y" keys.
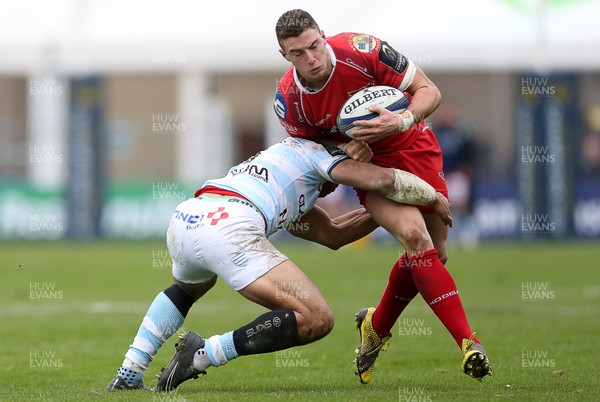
{"x": 357, "y": 106}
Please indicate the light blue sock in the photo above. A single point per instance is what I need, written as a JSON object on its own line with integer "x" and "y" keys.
{"x": 220, "y": 349}
{"x": 162, "y": 320}
{"x": 228, "y": 346}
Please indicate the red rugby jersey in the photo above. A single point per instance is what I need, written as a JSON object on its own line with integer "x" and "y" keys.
{"x": 360, "y": 61}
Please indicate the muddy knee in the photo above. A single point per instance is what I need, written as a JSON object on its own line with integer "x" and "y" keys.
{"x": 314, "y": 325}
{"x": 416, "y": 239}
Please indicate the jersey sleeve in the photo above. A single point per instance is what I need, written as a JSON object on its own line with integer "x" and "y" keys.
{"x": 325, "y": 158}
{"x": 389, "y": 66}
{"x": 393, "y": 65}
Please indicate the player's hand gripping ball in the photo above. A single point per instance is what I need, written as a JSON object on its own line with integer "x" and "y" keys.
{"x": 357, "y": 106}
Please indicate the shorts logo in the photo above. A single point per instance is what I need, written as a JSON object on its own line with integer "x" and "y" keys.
{"x": 188, "y": 218}
{"x": 215, "y": 218}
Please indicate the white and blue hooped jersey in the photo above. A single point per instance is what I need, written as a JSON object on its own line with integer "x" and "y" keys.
{"x": 284, "y": 180}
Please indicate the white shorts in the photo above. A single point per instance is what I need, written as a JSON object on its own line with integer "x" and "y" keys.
{"x": 223, "y": 236}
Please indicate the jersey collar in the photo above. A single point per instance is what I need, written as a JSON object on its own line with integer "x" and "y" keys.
{"x": 312, "y": 91}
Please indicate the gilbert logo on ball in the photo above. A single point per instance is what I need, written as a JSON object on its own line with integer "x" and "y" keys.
{"x": 357, "y": 106}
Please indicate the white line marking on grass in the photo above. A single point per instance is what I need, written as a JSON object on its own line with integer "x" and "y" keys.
{"x": 36, "y": 309}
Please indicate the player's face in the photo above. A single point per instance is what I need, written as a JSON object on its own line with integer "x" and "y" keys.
{"x": 310, "y": 57}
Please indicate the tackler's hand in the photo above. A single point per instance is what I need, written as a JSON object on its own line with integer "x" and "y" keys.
{"x": 358, "y": 150}
{"x": 441, "y": 206}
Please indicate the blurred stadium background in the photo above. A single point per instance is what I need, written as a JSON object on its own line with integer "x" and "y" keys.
{"x": 111, "y": 112}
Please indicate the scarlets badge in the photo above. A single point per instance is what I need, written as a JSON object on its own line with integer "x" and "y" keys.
{"x": 363, "y": 43}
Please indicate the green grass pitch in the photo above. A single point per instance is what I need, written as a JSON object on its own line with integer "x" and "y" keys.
{"x": 68, "y": 312}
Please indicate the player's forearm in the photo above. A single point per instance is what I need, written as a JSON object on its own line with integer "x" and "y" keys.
{"x": 397, "y": 185}
{"x": 410, "y": 189}
{"x": 424, "y": 102}
{"x": 426, "y": 96}
{"x": 318, "y": 227}
{"x": 352, "y": 226}
{"x": 364, "y": 176}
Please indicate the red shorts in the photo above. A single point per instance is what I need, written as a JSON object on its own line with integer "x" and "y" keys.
{"x": 423, "y": 158}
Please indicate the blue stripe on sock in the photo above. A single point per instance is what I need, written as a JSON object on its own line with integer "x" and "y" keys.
{"x": 166, "y": 317}
{"x": 228, "y": 346}
{"x": 144, "y": 333}
{"x": 143, "y": 355}
{"x": 209, "y": 353}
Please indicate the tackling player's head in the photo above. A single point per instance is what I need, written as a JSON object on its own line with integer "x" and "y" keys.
{"x": 292, "y": 23}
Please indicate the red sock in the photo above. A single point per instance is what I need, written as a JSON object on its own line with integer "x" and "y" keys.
{"x": 399, "y": 291}
{"x": 439, "y": 291}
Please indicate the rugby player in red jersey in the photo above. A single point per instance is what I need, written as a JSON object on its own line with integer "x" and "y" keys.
{"x": 325, "y": 72}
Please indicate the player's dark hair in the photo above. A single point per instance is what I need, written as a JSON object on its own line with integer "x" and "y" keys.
{"x": 292, "y": 23}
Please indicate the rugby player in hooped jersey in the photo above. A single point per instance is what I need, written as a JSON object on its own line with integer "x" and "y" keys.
{"x": 325, "y": 72}
{"x": 223, "y": 231}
